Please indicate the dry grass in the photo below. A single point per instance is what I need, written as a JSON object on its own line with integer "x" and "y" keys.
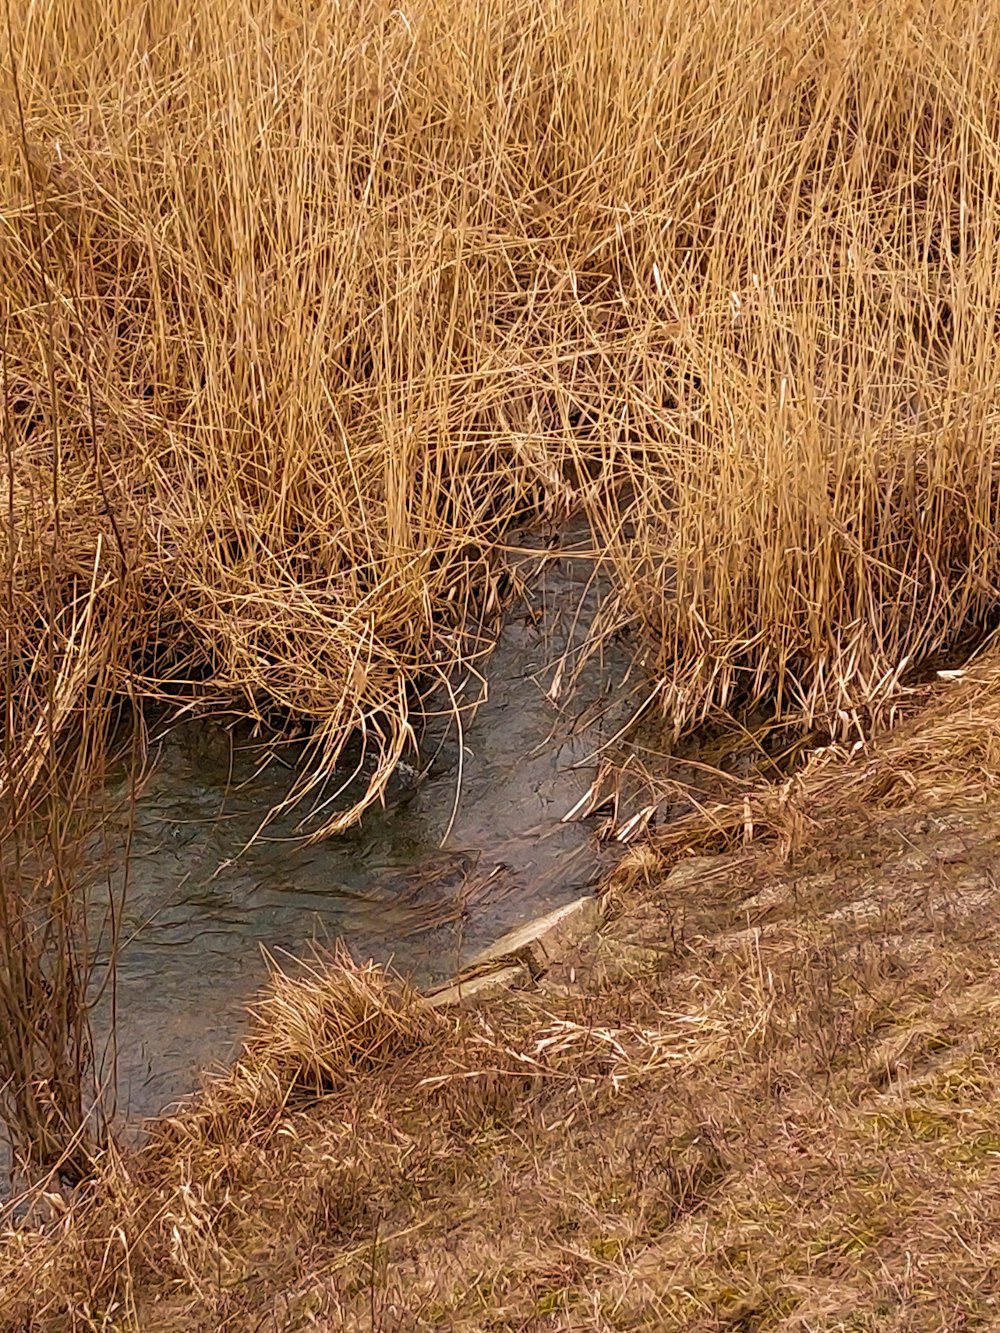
{"x": 945, "y": 744}
{"x": 321, "y": 1028}
{"x": 302, "y": 305}
{"x": 764, "y": 1098}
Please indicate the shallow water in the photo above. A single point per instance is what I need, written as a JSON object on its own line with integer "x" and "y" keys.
{"x": 199, "y": 909}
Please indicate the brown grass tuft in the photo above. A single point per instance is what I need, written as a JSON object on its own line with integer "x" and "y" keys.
{"x": 944, "y": 748}
{"x": 316, "y": 1031}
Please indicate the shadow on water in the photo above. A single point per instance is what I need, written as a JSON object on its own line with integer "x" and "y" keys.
{"x": 201, "y": 906}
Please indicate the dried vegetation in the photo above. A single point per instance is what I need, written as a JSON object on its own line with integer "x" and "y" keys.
{"x": 302, "y": 305}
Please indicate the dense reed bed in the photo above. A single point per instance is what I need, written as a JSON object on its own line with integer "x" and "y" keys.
{"x": 302, "y": 304}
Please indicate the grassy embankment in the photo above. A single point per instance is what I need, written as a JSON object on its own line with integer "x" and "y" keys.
{"x": 764, "y": 1097}
{"x": 301, "y": 305}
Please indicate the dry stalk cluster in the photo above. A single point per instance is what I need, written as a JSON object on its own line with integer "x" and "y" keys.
{"x": 302, "y": 305}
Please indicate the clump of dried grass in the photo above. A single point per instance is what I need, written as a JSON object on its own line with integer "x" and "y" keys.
{"x": 167, "y": 1211}
{"x": 944, "y": 748}
{"x": 314, "y": 1031}
{"x": 313, "y": 1034}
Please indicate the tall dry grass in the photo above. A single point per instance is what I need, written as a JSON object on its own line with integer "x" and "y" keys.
{"x": 304, "y": 303}
{"x": 825, "y": 503}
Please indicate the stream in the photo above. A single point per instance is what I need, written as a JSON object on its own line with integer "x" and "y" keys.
{"x": 200, "y": 908}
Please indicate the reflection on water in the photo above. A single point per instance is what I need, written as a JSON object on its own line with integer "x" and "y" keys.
{"x": 198, "y": 907}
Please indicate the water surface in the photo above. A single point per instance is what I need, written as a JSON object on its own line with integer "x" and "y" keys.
{"x": 200, "y": 907}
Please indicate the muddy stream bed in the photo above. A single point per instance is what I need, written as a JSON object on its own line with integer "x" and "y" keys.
{"x": 200, "y": 908}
